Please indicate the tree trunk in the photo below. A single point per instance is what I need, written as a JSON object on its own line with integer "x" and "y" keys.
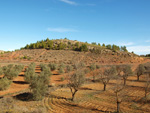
{"x": 124, "y": 82}
{"x": 118, "y": 107}
{"x": 104, "y": 87}
{"x": 93, "y": 77}
{"x": 138, "y": 78}
{"x": 145, "y": 95}
{"x": 73, "y": 95}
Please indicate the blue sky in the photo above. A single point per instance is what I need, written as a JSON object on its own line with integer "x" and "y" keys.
{"x": 120, "y": 22}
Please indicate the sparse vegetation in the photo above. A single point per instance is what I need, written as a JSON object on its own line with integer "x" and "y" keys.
{"x": 93, "y": 67}
{"x": 140, "y": 71}
{"x": 127, "y": 71}
{"x": 75, "y": 81}
{"x": 4, "y": 83}
{"x": 107, "y": 75}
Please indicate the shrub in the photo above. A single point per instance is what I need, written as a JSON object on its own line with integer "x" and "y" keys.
{"x": 39, "y": 85}
{"x": 12, "y": 73}
{"x": 30, "y": 73}
{"x": 4, "y": 83}
{"x": 1, "y": 71}
{"x": 62, "y": 78}
{"x": 62, "y": 65}
{"x": 61, "y": 70}
{"x": 53, "y": 66}
{"x": 84, "y": 48}
{"x": 75, "y": 81}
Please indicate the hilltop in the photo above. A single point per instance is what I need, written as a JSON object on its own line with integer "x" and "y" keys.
{"x": 69, "y": 51}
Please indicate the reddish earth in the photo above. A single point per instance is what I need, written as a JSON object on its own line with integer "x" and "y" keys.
{"x": 91, "y": 97}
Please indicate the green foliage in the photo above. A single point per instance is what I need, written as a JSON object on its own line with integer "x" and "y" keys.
{"x": 78, "y": 46}
{"x": 108, "y": 46}
{"x": 123, "y": 48}
{"x": 30, "y": 73}
{"x": 11, "y": 74}
{"x": 84, "y": 48}
{"x": 62, "y": 78}
{"x": 94, "y": 43}
{"x": 103, "y": 45}
{"x": 1, "y": 71}
{"x": 4, "y": 83}
{"x": 61, "y": 70}
{"x": 39, "y": 86}
{"x": 140, "y": 70}
{"x": 11, "y": 71}
{"x": 62, "y": 65}
{"x": 53, "y": 66}
{"x": 115, "y": 48}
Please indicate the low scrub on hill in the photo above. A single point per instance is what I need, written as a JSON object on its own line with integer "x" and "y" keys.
{"x": 65, "y": 44}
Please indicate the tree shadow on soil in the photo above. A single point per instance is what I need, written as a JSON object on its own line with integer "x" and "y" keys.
{"x": 22, "y": 75}
{"x": 24, "y": 97}
{"x": 20, "y": 82}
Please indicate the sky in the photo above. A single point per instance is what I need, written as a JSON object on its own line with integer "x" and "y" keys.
{"x": 120, "y": 22}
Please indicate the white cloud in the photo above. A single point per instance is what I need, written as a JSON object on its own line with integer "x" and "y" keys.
{"x": 139, "y": 49}
{"x": 69, "y": 2}
{"x": 61, "y": 30}
{"x": 126, "y": 44}
{"x": 147, "y": 41}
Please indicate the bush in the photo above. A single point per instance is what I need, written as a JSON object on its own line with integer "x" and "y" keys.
{"x": 62, "y": 78}
{"x": 1, "y": 71}
{"x": 61, "y": 70}
{"x": 84, "y": 48}
{"x": 62, "y": 65}
{"x": 53, "y": 66}
{"x": 11, "y": 74}
{"x": 30, "y": 73}
{"x": 39, "y": 85}
{"x": 4, "y": 84}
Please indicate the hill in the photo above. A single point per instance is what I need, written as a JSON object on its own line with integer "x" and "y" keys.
{"x": 69, "y": 51}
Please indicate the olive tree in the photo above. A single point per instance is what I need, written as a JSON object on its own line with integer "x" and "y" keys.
{"x": 147, "y": 84}
{"x": 127, "y": 71}
{"x": 39, "y": 83}
{"x": 93, "y": 67}
{"x": 75, "y": 81}
{"x": 4, "y": 83}
{"x": 119, "y": 91}
{"x": 107, "y": 75}
{"x": 140, "y": 71}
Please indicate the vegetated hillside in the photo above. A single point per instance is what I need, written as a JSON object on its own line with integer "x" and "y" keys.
{"x": 68, "y": 51}
{"x": 1, "y": 51}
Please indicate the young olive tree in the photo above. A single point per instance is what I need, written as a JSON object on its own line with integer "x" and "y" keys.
{"x": 1, "y": 71}
{"x": 4, "y": 83}
{"x": 93, "y": 67}
{"x": 147, "y": 84}
{"x": 75, "y": 81}
{"x": 118, "y": 89}
{"x": 39, "y": 84}
{"x": 53, "y": 66}
{"x": 140, "y": 71}
{"x": 107, "y": 75}
{"x": 127, "y": 71}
